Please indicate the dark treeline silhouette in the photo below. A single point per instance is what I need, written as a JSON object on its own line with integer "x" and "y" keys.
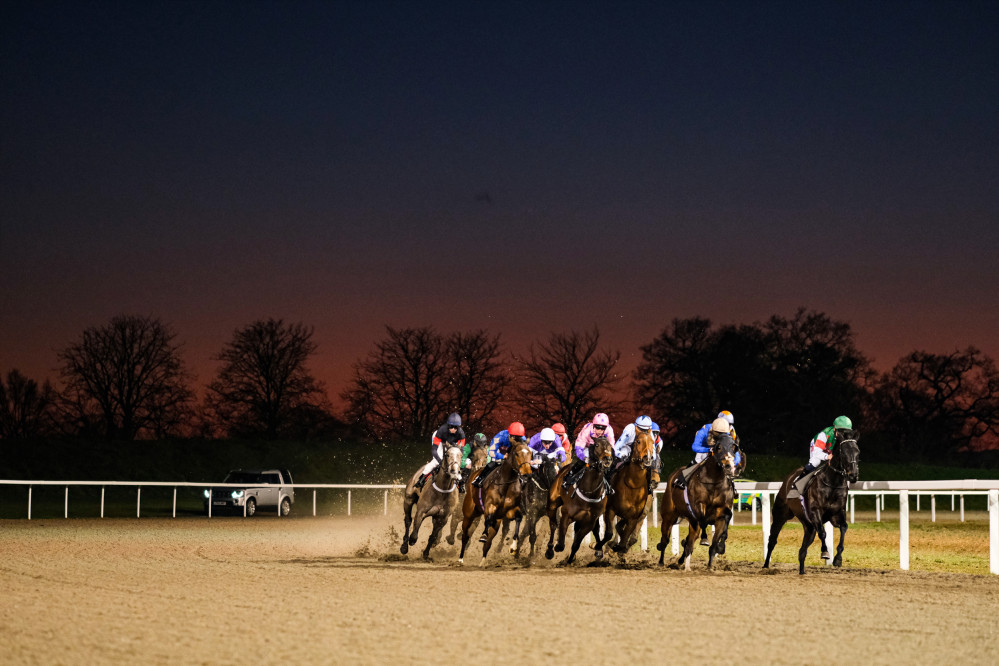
{"x": 785, "y": 379}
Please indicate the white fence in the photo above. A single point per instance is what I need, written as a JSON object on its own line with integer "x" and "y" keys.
{"x": 879, "y": 489}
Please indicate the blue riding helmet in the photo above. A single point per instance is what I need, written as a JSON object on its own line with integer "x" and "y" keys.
{"x": 655, "y": 427}
{"x": 454, "y": 420}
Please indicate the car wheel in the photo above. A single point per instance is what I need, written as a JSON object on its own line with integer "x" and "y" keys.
{"x": 285, "y": 506}
{"x": 251, "y": 506}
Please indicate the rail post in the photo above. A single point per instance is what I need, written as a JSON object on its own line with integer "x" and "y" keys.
{"x": 993, "y": 531}
{"x": 853, "y": 506}
{"x": 828, "y": 542}
{"x": 645, "y": 534}
{"x": 348, "y": 502}
{"x": 674, "y": 538}
{"x": 102, "y": 501}
{"x": 903, "y": 529}
{"x": 877, "y": 508}
{"x": 933, "y": 508}
{"x": 138, "y": 501}
{"x": 65, "y": 508}
{"x": 175, "y": 501}
{"x": 655, "y": 510}
{"x": 962, "y": 508}
{"x": 752, "y": 501}
{"x": 29, "y": 502}
{"x": 386, "y": 502}
{"x": 766, "y": 520}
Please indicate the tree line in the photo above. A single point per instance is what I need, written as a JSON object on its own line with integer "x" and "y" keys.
{"x": 784, "y": 378}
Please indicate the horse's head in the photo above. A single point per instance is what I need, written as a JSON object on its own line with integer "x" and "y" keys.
{"x": 846, "y": 456}
{"x": 723, "y": 453}
{"x": 520, "y": 456}
{"x": 643, "y": 451}
{"x": 479, "y": 457}
{"x": 601, "y": 453}
{"x": 549, "y": 470}
{"x": 452, "y": 462}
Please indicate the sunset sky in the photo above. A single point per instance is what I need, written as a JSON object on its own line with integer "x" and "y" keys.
{"x": 517, "y": 167}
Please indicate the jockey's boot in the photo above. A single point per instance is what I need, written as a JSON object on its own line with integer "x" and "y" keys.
{"x": 461, "y": 485}
{"x": 681, "y": 479}
{"x": 490, "y": 466}
{"x": 607, "y": 482}
{"x": 422, "y": 480}
{"x": 573, "y": 475}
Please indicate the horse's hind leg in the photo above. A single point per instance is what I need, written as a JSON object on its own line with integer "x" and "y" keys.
{"x": 407, "y": 514}
{"x": 455, "y": 518}
{"x": 806, "y": 541}
{"x": 666, "y": 527}
{"x": 550, "y": 551}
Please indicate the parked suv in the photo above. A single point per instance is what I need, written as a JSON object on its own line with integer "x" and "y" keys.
{"x": 264, "y": 488}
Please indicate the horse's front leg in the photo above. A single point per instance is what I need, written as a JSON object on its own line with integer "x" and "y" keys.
{"x": 838, "y": 560}
{"x": 778, "y": 517}
{"x": 578, "y": 533}
{"x": 806, "y": 541}
{"x": 718, "y": 542}
{"x": 688, "y": 544}
{"x": 550, "y": 550}
{"x": 666, "y": 527}
{"x": 435, "y": 533}
{"x": 455, "y": 519}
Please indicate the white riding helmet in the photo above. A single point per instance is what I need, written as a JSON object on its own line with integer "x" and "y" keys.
{"x": 727, "y": 415}
{"x": 547, "y": 435}
{"x": 720, "y": 425}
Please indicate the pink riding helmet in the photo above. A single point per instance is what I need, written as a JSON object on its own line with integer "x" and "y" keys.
{"x": 601, "y": 419}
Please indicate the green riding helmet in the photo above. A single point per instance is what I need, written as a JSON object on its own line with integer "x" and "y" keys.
{"x": 480, "y": 439}
{"x": 843, "y": 423}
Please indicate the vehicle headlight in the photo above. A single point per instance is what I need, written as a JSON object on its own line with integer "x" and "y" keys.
{"x": 207, "y": 494}
{"x": 236, "y": 494}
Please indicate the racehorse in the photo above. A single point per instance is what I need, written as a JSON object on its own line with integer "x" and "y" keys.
{"x": 631, "y": 494}
{"x": 824, "y": 500}
{"x": 706, "y": 500}
{"x": 498, "y": 498}
{"x": 534, "y": 502}
{"x": 478, "y": 458}
{"x": 437, "y": 501}
{"x": 584, "y": 506}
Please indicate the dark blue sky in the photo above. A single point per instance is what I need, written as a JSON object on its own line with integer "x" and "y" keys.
{"x": 519, "y": 167}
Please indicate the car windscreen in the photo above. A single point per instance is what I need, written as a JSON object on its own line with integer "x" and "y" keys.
{"x": 242, "y": 477}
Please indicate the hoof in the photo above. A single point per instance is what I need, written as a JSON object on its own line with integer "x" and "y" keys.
{"x": 450, "y": 540}
{"x": 838, "y": 561}
{"x": 825, "y": 555}
{"x": 559, "y": 547}
{"x": 549, "y": 554}
{"x": 705, "y": 542}
{"x": 461, "y": 560}
{"x": 404, "y": 548}
{"x": 598, "y": 554}
{"x": 412, "y": 541}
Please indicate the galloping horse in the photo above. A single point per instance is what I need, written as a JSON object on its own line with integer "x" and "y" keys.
{"x": 706, "y": 500}
{"x": 478, "y": 458}
{"x": 498, "y": 498}
{"x": 534, "y": 502}
{"x": 631, "y": 494}
{"x": 584, "y": 506}
{"x": 437, "y": 501}
{"x": 824, "y": 500}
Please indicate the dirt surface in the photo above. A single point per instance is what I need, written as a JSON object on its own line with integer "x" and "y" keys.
{"x": 335, "y": 590}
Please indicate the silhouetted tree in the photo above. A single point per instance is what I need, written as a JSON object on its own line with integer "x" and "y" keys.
{"x": 126, "y": 379}
{"x": 416, "y": 376}
{"x": 567, "y": 379}
{"x": 931, "y": 406}
{"x": 783, "y": 379}
{"x": 263, "y": 387}
{"x": 25, "y": 409}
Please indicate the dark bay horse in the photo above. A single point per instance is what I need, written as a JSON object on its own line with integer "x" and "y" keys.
{"x": 436, "y": 501}
{"x": 534, "y": 502}
{"x": 478, "y": 458}
{"x": 631, "y": 494}
{"x": 824, "y": 501}
{"x": 707, "y": 500}
{"x": 582, "y": 507}
{"x": 498, "y": 498}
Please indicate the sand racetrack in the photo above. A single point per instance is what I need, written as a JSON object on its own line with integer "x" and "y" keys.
{"x": 329, "y": 590}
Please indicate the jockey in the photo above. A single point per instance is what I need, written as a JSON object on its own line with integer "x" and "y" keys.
{"x": 657, "y": 441}
{"x": 479, "y": 441}
{"x": 703, "y": 442}
{"x": 448, "y": 435}
{"x": 599, "y": 427}
{"x": 821, "y": 447}
{"x": 546, "y": 444}
{"x": 499, "y": 448}
{"x": 566, "y": 443}
{"x": 622, "y": 447}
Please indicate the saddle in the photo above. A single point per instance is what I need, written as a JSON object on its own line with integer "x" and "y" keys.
{"x": 800, "y": 484}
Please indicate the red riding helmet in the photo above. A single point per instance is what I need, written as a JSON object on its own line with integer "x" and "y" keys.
{"x": 559, "y": 429}
{"x": 516, "y": 429}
